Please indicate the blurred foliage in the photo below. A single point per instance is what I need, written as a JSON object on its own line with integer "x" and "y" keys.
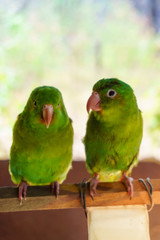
{"x": 71, "y": 44}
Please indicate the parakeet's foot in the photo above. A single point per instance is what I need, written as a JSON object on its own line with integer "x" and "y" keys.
{"x": 82, "y": 193}
{"x": 93, "y": 185}
{"x": 22, "y": 191}
{"x": 55, "y": 188}
{"x": 149, "y": 190}
{"x": 127, "y": 181}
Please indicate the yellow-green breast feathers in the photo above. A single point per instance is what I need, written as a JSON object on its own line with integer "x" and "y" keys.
{"x": 41, "y": 151}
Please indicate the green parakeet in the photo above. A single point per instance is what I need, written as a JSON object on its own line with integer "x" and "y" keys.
{"x": 113, "y": 134}
{"x": 41, "y": 152}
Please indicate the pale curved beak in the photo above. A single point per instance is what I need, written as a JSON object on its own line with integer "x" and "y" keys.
{"x": 47, "y": 114}
{"x": 94, "y": 102}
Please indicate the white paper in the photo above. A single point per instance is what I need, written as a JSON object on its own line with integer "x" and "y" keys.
{"x": 118, "y": 223}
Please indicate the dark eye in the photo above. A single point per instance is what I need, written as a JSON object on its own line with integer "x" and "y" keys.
{"x": 111, "y": 93}
{"x": 58, "y": 105}
{"x": 35, "y": 103}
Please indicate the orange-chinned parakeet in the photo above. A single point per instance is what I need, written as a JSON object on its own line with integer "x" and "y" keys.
{"x": 113, "y": 134}
{"x": 41, "y": 152}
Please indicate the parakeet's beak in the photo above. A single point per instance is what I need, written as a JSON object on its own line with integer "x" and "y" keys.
{"x": 94, "y": 102}
{"x": 47, "y": 114}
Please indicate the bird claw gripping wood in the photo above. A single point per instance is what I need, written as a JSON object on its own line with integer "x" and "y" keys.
{"x": 82, "y": 193}
{"x": 55, "y": 188}
{"x": 150, "y": 191}
{"x": 22, "y": 191}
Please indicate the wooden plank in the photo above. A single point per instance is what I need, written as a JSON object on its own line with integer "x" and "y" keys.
{"x": 108, "y": 194}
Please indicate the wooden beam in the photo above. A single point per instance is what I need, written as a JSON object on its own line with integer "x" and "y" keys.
{"x": 108, "y": 194}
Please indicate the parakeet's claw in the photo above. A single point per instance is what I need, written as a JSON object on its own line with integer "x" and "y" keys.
{"x": 93, "y": 185}
{"x": 22, "y": 191}
{"x": 55, "y": 188}
{"x": 149, "y": 191}
{"x": 92, "y": 192}
{"x": 128, "y": 182}
{"x": 82, "y": 194}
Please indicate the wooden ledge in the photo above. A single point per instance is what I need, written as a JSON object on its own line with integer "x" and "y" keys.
{"x": 108, "y": 194}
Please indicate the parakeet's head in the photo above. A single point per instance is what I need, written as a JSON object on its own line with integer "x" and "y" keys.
{"x": 112, "y": 99}
{"x": 45, "y": 108}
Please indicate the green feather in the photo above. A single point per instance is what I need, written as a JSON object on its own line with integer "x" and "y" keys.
{"x": 113, "y": 136}
{"x": 41, "y": 155}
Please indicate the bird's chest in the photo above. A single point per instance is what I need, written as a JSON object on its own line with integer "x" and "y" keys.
{"x": 45, "y": 146}
{"x": 111, "y": 150}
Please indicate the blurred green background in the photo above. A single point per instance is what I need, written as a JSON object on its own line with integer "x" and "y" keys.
{"x": 70, "y": 45}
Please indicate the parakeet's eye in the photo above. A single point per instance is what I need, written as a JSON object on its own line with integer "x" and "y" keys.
{"x": 58, "y": 105}
{"x": 111, "y": 93}
{"x": 35, "y": 103}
